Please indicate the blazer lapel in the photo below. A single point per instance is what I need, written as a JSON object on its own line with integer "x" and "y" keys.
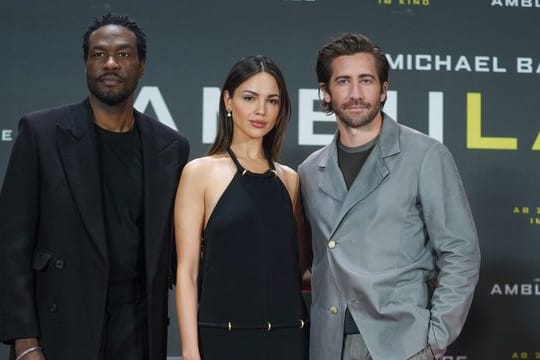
{"x": 332, "y": 182}
{"x": 160, "y": 178}
{"x": 78, "y": 152}
{"x": 374, "y": 170}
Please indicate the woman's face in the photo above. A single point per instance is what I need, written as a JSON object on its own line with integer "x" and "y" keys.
{"x": 255, "y": 106}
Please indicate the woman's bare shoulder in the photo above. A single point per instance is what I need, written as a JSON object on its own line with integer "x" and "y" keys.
{"x": 289, "y": 178}
{"x": 286, "y": 173}
{"x": 205, "y": 165}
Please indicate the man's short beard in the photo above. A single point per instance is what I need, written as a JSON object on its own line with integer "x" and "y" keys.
{"x": 109, "y": 97}
{"x": 112, "y": 99}
{"x": 106, "y": 96}
{"x": 358, "y": 122}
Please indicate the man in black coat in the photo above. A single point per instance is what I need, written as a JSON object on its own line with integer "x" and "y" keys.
{"x": 86, "y": 216}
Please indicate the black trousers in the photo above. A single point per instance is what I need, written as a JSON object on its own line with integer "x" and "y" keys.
{"x": 125, "y": 331}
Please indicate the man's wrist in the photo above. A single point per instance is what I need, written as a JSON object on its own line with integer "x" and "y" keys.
{"x": 27, "y": 352}
{"x": 23, "y": 344}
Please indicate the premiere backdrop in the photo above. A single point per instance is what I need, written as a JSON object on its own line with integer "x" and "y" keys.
{"x": 465, "y": 72}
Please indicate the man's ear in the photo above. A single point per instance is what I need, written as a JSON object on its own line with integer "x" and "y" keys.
{"x": 326, "y": 94}
{"x": 384, "y": 92}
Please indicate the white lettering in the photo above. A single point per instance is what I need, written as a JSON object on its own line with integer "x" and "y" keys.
{"x": 496, "y": 67}
{"x": 390, "y": 107}
{"x": 436, "y": 120}
{"x": 462, "y": 64}
{"x": 210, "y": 114}
{"x": 511, "y": 289}
{"x": 427, "y": 62}
{"x": 516, "y": 3}
{"x": 423, "y": 67}
{"x": 7, "y": 135}
{"x": 409, "y": 62}
{"x": 516, "y": 289}
{"x": 152, "y": 95}
{"x": 396, "y": 64}
{"x": 496, "y": 290}
{"x": 307, "y": 117}
{"x": 446, "y": 63}
{"x": 481, "y": 63}
{"x": 524, "y": 65}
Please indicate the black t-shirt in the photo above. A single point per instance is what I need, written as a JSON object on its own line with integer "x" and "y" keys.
{"x": 121, "y": 167}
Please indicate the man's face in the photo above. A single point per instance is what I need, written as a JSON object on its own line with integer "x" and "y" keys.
{"x": 354, "y": 89}
{"x": 113, "y": 67}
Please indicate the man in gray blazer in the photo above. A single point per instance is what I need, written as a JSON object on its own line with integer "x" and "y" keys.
{"x": 395, "y": 250}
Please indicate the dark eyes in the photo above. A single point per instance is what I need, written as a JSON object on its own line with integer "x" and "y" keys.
{"x": 251, "y": 98}
{"x": 363, "y": 81}
{"x": 366, "y": 81}
{"x": 100, "y": 54}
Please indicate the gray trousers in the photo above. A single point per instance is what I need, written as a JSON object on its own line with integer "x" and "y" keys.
{"x": 354, "y": 348}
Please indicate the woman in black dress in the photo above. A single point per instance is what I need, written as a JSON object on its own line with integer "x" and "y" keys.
{"x": 238, "y": 281}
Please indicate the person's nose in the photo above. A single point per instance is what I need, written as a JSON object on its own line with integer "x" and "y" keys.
{"x": 356, "y": 91}
{"x": 111, "y": 63}
{"x": 261, "y": 107}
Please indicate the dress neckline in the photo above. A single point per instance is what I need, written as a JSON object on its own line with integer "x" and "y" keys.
{"x": 243, "y": 171}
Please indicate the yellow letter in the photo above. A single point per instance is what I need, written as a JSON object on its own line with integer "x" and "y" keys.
{"x": 474, "y": 128}
{"x": 536, "y": 145}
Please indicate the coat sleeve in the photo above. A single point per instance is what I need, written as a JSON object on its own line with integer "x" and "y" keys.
{"x": 19, "y": 214}
{"x": 452, "y": 234}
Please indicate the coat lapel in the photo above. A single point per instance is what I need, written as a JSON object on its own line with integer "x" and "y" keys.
{"x": 374, "y": 170}
{"x": 332, "y": 182}
{"x": 159, "y": 161}
{"x": 78, "y": 151}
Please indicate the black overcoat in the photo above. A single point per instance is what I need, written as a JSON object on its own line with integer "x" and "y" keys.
{"x": 53, "y": 251}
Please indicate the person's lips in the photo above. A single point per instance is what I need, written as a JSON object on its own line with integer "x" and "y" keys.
{"x": 110, "y": 79}
{"x": 354, "y": 107}
{"x": 259, "y": 124}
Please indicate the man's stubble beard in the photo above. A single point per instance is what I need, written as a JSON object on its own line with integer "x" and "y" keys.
{"x": 359, "y": 121}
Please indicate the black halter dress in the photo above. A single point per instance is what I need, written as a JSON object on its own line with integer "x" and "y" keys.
{"x": 250, "y": 302}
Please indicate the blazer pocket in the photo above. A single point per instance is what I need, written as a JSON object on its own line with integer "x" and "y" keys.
{"x": 40, "y": 260}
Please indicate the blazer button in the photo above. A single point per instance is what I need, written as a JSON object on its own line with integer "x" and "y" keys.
{"x": 59, "y": 264}
{"x": 53, "y": 308}
{"x": 333, "y": 310}
{"x": 331, "y": 244}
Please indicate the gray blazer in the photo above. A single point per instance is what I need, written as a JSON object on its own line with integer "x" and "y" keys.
{"x": 399, "y": 248}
